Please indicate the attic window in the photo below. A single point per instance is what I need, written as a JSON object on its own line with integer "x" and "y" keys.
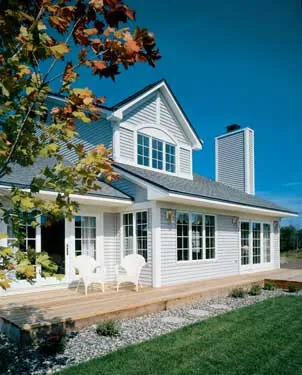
{"x": 162, "y": 155}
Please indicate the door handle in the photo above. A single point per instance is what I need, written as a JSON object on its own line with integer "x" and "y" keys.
{"x": 67, "y": 249}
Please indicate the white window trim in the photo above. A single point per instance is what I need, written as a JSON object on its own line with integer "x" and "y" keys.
{"x": 150, "y": 154}
{"x": 134, "y": 232}
{"x": 203, "y": 260}
{"x": 262, "y": 261}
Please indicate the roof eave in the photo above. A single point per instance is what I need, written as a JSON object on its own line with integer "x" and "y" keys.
{"x": 227, "y": 206}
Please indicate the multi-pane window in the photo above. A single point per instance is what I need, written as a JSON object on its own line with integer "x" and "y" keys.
{"x": 142, "y": 234}
{"x": 256, "y": 243}
{"x": 197, "y": 237}
{"x": 210, "y": 236}
{"x": 85, "y": 235}
{"x": 29, "y": 233}
{"x": 182, "y": 221}
{"x": 135, "y": 233}
{"x": 152, "y": 152}
{"x": 142, "y": 150}
{"x": 245, "y": 243}
{"x": 128, "y": 234}
{"x": 170, "y": 158}
{"x": 157, "y": 154}
{"x": 267, "y": 242}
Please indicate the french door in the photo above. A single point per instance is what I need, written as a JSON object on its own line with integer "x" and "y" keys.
{"x": 83, "y": 238}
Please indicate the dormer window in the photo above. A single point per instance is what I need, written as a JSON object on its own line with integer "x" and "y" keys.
{"x": 162, "y": 155}
{"x": 142, "y": 150}
{"x": 157, "y": 154}
{"x": 170, "y": 158}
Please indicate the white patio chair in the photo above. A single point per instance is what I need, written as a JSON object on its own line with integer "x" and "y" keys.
{"x": 90, "y": 272}
{"x": 131, "y": 266}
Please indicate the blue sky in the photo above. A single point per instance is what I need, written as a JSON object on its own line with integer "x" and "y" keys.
{"x": 230, "y": 62}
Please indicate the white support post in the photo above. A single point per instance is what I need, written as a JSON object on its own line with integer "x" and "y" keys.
{"x": 38, "y": 247}
{"x": 156, "y": 246}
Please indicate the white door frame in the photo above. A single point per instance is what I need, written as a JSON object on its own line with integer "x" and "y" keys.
{"x": 70, "y": 241}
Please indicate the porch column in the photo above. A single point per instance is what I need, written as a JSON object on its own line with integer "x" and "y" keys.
{"x": 156, "y": 246}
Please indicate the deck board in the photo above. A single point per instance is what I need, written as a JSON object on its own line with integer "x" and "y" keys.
{"x": 39, "y": 308}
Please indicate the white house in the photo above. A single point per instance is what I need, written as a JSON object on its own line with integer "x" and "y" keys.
{"x": 187, "y": 227}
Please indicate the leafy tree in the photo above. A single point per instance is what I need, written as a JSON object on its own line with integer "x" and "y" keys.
{"x": 38, "y": 44}
{"x": 288, "y": 239}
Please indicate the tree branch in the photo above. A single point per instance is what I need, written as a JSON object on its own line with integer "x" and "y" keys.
{"x": 55, "y": 60}
{"x": 8, "y": 159}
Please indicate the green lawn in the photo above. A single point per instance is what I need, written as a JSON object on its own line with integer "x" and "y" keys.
{"x": 265, "y": 338}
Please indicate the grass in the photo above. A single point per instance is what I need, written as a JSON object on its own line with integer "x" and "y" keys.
{"x": 265, "y": 338}
{"x": 292, "y": 254}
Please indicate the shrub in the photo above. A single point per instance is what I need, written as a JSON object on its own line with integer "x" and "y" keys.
{"x": 238, "y": 293}
{"x": 255, "y": 290}
{"x": 53, "y": 344}
{"x": 108, "y": 328}
{"x": 269, "y": 286}
{"x": 292, "y": 289}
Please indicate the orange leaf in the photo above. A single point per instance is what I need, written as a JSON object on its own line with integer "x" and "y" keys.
{"x": 132, "y": 46}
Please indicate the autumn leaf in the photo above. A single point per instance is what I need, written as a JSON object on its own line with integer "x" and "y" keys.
{"x": 96, "y": 4}
{"x": 132, "y": 47}
{"x": 59, "y": 50}
{"x": 98, "y": 66}
{"x": 81, "y": 116}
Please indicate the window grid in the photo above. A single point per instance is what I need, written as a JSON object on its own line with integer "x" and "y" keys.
{"x": 143, "y": 150}
{"x": 170, "y": 158}
{"x": 29, "y": 240}
{"x": 163, "y": 154}
{"x": 245, "y": 243}
{"x": 210, "y": 236}
{"x": 85, "y": 235}
{"x": 182, "y": 236}
{"x": 157, "y": 154}
{"x": 142, "y": 234}
{"x": 128, "y": 233}
{"x": 196, "y": 236}
{"x": 256, "y": 243}
{"x": 135, "y": 233}
{"x": 267, "y": 243}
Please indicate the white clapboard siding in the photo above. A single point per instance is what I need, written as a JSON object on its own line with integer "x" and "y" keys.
{"x": 227, "y": 249}
{"x": 185, "y": 161}
{"x": 127, "y": 144}
{"x": 169, "y": 122}
{"x": 230, "y": 160}
{"x": 135, "y": 191}
{"x": 112, "y": 250}
{"x": 143, "y": 113}
{"x": 146, "y": 275}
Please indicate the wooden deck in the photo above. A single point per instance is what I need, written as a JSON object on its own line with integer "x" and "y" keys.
{"x": 23, "y": 317}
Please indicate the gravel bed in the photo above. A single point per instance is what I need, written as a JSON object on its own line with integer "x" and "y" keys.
{"x": 87, "y": 344}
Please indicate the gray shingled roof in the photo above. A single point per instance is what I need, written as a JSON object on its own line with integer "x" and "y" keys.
{"x": 200, "y": 187}
{"x": 22, "y": 177}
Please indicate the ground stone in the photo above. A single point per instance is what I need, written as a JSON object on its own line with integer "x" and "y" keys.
{"x": 173, "y": 320}
{"x": 219, "y": 306}
{"x": 199, "y": 313}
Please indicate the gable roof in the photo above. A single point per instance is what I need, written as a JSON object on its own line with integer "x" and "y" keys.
{"x": 200, "y": 187}
{"x": 163, "y": 86}
{"x": 22, "y": 177}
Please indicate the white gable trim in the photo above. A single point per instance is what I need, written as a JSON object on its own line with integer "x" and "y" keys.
{"x": 196, "y": 143}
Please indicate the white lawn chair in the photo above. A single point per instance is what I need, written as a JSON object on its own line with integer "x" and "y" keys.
{"x": 131, "y": 266}
{"x": 90, "y": 272}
